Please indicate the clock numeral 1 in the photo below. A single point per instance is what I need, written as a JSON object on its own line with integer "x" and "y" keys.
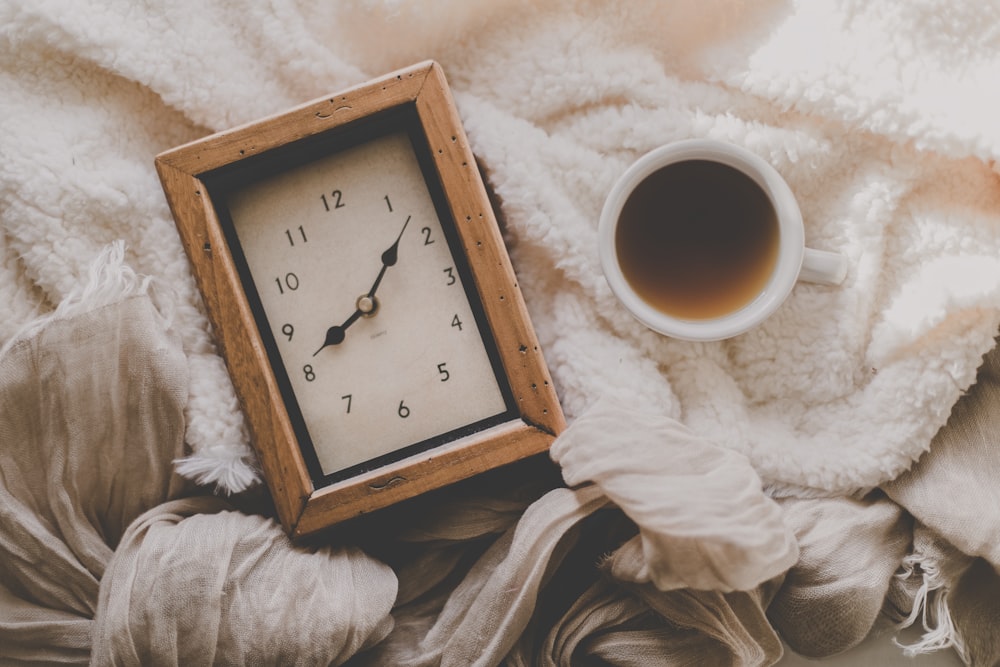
{"x": 403, "y": 411}
{"x": 291, "y": 283}
{"x": 451, "y": 275}
{"x": 348, "y": 399}
{"x": 455, "y": 322}
{"x": 308, "y": 371}
{"x": 335, "y": 199}
{"x": 388, "y": 203}
{"x": 444, "y": 372}
{"x": 292, "y": 237}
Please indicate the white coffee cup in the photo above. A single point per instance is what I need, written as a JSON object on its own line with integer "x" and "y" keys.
{"x": 793, "y": 261}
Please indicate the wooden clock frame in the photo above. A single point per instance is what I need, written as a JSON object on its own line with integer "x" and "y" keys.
{"x": 185, "y": 173}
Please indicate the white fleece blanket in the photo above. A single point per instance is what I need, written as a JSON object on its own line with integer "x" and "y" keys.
{"x": 882, "y": 115}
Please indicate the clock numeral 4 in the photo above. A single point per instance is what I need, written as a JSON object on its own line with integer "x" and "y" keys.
{"x": 455, "y": 322}
{"x": 335, "y": 199}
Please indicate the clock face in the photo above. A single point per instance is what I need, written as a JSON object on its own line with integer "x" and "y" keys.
{"x": 366, "y": 305}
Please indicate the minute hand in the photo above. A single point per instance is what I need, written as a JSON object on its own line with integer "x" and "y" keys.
{"x": 389, "y": 258}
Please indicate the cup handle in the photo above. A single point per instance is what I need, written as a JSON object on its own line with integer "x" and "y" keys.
{"x": 825, "y": 268}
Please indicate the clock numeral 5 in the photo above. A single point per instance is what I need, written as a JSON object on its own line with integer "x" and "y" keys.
{"x": 444, "y": 372}
{"x": 335, "y": 199}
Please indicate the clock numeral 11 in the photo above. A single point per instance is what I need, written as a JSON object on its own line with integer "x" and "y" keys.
{"x": 292, "y": 237}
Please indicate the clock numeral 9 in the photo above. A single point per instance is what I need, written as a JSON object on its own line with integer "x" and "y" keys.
{"x": 309, "y": 373}
{"x": 291, "y": 283}
{"x": 451, "y": 275}
{"x": 288, "y": 330}
{"x": 335, "y": 199}
{"x": 403, "y": 411}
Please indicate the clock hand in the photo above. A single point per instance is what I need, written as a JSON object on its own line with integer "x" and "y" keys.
{"x": 367, "y": 304}
{"x": 389, "y": 258}
{"x": 335, "y": 334}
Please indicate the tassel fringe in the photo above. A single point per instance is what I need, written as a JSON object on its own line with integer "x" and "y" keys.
{"x": 930, "y": 604}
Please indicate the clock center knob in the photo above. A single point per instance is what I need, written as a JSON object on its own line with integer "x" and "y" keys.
{"x": 368, "y": 305}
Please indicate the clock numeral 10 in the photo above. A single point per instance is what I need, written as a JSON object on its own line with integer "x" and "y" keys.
{"x": 291, "y": 283}
{"x": 335, "y": 199}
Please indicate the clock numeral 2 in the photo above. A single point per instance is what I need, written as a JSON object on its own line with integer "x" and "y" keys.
{"x": 291, "y": 283}
{"x": 335, "y": 199}
{"x": 426, "y": 231}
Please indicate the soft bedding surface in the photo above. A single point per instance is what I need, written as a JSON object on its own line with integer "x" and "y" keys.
{"x": 882, "y": 116}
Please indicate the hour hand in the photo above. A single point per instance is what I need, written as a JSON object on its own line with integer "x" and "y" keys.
{"x": 335, "y": 334}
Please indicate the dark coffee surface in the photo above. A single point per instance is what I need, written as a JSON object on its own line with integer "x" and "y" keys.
{"x": 697, "y": 239}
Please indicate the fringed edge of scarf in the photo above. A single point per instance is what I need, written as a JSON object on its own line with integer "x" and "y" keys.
{"x": 109, "y": 280}
{"x": 930, "y": 605}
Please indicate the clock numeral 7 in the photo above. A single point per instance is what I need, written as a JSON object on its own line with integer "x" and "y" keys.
{"x": 335, "y": 199}
{"x": 348, "y": 399}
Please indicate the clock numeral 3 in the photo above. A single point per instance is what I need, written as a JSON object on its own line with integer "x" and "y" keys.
{"x": 403, "y": 411}
{"x": 335, "y": 199}
{"x": 451, "y": 275}
{"x": 291, "y": 283}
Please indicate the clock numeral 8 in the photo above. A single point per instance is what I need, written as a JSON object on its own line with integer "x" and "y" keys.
{"x": 308, "y": 371}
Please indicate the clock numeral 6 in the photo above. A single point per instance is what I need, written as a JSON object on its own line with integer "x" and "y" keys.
{"x": 444, "y": 372}
{"x": 291, "y": 283}
{"x": 308, "y": 371}
{"x": 403, "y": 411}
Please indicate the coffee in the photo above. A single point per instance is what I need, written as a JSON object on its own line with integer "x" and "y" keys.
{"x": 697, "y": 239}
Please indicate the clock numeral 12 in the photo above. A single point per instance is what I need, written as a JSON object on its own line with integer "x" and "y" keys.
{"x": 335, "y": 199}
